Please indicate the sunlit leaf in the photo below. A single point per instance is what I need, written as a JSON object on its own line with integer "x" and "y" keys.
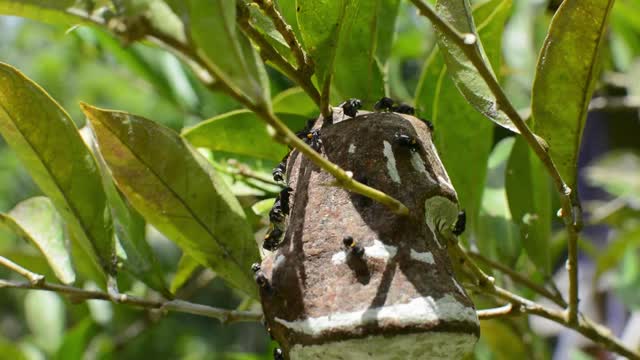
{"x": 503, "y": 340}
{"x": 48, "y": 143}
{"x": 37, "y": 221}
{"x": 228, "y": 50}
{"x": 566, "y": 74}
{"x": 462, "y": 135}
{"x": 157, "y": 14}
{"x": 186, "y": 268}
{"x": 52, "y": 11}
{"x": 136, "y": 256}
{"x": 263, "y": 207}
{"x": 295, "y": 101}
{"x": 177, "y": 191}
{"x": 625, "y": 241}
{"x": 497, "y": 235}
{"x": 529, "y": 194}
{"x": 466, "y": 77}
{"x": 76, "y": 340}
{"x": 45, "y": 315}
{"x": 617, "y": 172}
{"x": 242, "y": 132}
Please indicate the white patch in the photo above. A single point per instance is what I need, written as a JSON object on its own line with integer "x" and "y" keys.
{"x": 419, "y": 311}
{"x": 418, "y": 165}
{"x": 425, "y": 345}
{"x": 280, "y": 259}
{"x": 440, "y": 214}
{"x": 352, "y": 148}
{"x": 446, "y": 183}
{"x": 391, "y": 162}
{"x": 425, "y": 257}
{"x": 376, "y": 251}
{"x": 459, "y": 287}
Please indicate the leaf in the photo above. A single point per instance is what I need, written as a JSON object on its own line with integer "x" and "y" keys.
{"x": 47, "y": 142}
{"x": 158, "y": 15}
{"x": 177, "y": 191}
{"x": 626, "y": 241}
{"x": 228, "y": 50}
{"x": 45, "y": 315}
{"x": 265, "y": 26}
{"x": 343, "y": 38}
{"x": 467, "y": 79}
{"x": 565, "y": 77}
{"x": 295, "y": 101}
{"x": 497, "y": 235}
{"x": 136, "y": 256}
{"x": 37, "y": 221}
{"x": 186, "y": 267}
{"x": 42, "y": 10}
{"x": 504, "y": 341}
{"x": 241, "y": 132}
{"x": 462, "y": 135}
{"x": 76, "y": 340}
{"x": 529, "y": 195}
{"x": 617, "y": 172}
{"x": 262, "y": 207}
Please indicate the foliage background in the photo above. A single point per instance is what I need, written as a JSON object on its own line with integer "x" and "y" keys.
{"x": 83, "y": 64}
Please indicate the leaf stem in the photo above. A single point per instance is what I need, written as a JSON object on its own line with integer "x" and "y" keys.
{"x": 33, "y": 278}
{"x": 486, "y": 314}
{"x": 467, "y": 42}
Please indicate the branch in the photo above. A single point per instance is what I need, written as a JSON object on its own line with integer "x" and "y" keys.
{"x": 519, "y": 278}
{"x": 34, "y": 279}
{"x": 501, "y": 311}
{"x": 237, "y": 168}
{"x": 224, "y": 315}
{"x": 305, "y": 65}
{"x": 597, "y": 333}
{"x": 570, "y": 208}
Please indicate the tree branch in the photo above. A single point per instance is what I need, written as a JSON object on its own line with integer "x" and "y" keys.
{"x": 33, "y": 278}
{"x": 487, "y": 314}
{"x": 224, "y": 315}
{"x": 570, "y": 208}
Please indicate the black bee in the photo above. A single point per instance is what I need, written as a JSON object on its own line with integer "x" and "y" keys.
{"x": 278, "y": 354}
{"x": 351, "y": 107}
{"x": 384, "y": 104}
{"x": 272, "y": 239}
{"x": 280, "y": 207}
{"x": 429, "y": 124}
{"x": 351, "y": 247}
{"x": 404, "y": 109}
{"x": 260, "y": 278}
{"x": 313, "y": 139}
{"x": 279, "y": 171}
{"x": 407, "y": 141}
{"x": 461, "y": 223}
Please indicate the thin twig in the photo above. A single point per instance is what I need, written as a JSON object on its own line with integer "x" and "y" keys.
{"x": 269, "y": 53}
{"x": 33, "y": 278}
{"x": 570, "y": 207}
{"x": 486, "y": 314}
{"x": 238, "y": 168}
{"x": 224, "y": 315}
{"x": 519, "y": 278}
{"x": 304, "y": 62}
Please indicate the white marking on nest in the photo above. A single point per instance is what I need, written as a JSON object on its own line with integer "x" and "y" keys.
{"x": 391, "y": 162}
{"x": 352, "y": 148}
{"x": 419, "y": 311}
{"x": 455, "y": 282}
{"x": 376, "y": 251}
{"x": 425, "y": 257}
{"x": 418, "y": 165}
{"x": 280, "y": 259}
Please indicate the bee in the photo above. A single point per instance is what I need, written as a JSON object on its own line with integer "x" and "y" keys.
{"x": 404, "y": 109}
{"x": 280, "y": 170}
{"x": 260, "y": 278}
{"x": 384, "y": 104}
{"x": 272, "y": 239}
{"x": 407, "y": 141}
{"x": 352, "y": 247}
{"x": 351, "y": 107}
{"x": 278, "y": 354}
{"x": 313, "y": 139}
{"x": 429, "y": 124}
{"x": 461, "y": 223}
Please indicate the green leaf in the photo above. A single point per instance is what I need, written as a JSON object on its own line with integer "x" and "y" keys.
{"x": 462, "y": 135}
{"x": 11, "y": 350}
{"x": 295, "y": 101}
{"x": 136, "y": 255}
{"x": 76, "y": 340}
{"x": 343, "y": 39}
{"x": 627, "y": 240}
{"x": 497, "y": 235}
{"x": 186, "y": 267}
{"x": 265, "y": 26}
{"x": 213, "y": 28}
{"x": 241, "y": 132}
{"x": 529, "y": 194}
{"x": 467, "y": 79}
{"x": 177, "y": 191}
{"x": 37, "y": 221}
{"x": 158, "y": 15}
{"x": 565, "y": 77}
{"x": 617, "y": 172}
{"x": 45, "y": 315}
{"x": 51, "y": 11}
{"x": 262, "y": 207}
{"x": 48, "y": 143}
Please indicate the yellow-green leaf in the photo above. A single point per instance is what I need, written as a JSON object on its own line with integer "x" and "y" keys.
{"x": 178, "y": 192}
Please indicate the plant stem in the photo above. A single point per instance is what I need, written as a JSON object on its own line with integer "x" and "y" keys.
{"x": 33, "y": 278}
{"x": 224, "y": 315}
{"x": 486, "y": 314}
{"x": 519, "y": 278}
{"x": 305, "y": 65}
{"x": 467, "y": 43}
